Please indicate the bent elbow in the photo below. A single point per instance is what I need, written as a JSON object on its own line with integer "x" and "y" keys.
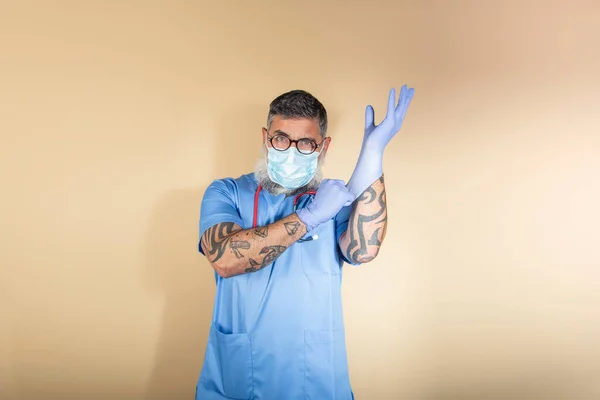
{"x": 223, "y": 271}
{"x": 369, "y": 256}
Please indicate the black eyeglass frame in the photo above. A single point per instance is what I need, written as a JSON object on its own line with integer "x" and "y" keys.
{"x": 316, "y": 145}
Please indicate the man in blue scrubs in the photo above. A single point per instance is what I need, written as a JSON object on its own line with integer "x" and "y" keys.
{"x": 277, "y": 239}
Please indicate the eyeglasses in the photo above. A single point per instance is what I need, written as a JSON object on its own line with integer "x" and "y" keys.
{"x": 304, "y": 146}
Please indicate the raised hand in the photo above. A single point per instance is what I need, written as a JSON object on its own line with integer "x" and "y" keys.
{"x": 378, "y": 136}
{"x": 369, "y": 167}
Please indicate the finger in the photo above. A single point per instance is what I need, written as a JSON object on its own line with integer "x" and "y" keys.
{"x": 406, "y": 97}
{"x": 391, "y": 102}
{"x": 350, "y": 197}
{"x": 369, "y": 117}
{"x": 338, "y": 182}
{"x": 409, "y": 95}
{"x": 402, "y": 97}
{"x": 343, "y": 188}
{"x": 398, "y": 117}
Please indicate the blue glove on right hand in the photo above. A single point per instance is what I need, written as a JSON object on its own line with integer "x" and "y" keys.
{"x": 369, "y": 167}
{"x": 331, "y": 196}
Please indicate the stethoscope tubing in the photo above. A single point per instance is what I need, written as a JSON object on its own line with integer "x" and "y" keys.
{"x": 255, "y": 216}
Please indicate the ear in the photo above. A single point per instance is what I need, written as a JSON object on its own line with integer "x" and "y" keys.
{"x": 264, "y": 136}
{"x": 326, "y": 142}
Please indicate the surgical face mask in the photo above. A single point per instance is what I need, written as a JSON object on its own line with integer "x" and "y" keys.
{"x": 291, "y": 169}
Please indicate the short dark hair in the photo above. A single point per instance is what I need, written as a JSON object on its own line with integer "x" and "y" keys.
{"x": 298, "y": 104}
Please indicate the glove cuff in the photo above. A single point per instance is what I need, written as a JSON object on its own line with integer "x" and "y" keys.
{"x": 307, "y": 218}
{"x": 368, "y": 169}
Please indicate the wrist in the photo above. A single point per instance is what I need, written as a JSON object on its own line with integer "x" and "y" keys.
{"x": 368, "y": 169}
{"x": 370, "y": 162}
{"x": 372, "y": 149}
{"x": 307, "y": 218}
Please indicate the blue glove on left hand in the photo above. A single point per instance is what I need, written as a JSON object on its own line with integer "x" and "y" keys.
{"x": 331, "y": 196}
{"x": 369, "y": 167}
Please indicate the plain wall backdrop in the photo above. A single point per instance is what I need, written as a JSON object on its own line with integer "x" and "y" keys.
{"x": 116, "y": 115}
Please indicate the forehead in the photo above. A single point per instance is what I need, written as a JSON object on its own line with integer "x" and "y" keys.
{"x": 296, "y": 128}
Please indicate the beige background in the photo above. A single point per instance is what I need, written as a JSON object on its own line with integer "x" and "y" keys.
{"x": 115, "y": 115}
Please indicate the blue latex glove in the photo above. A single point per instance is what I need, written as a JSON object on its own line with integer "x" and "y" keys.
{"x": 331, "y": 196}
{"x": 369, "y": 167}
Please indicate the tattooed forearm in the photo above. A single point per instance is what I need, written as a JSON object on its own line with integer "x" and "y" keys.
{"x": 291, "y": 227}
{"x": 271, "y": 253}
{"x": 233, "y": 250}
{"x": 215, "y": 240}
{"x": 254, "y": 266}
{"x": 238, "y": 245}
{"x": 374, "y": 241}
{"x": 262, "y": 231}
{"x": 367, "y": 225}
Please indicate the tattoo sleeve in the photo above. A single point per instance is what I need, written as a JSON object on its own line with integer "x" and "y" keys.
{"x": 367, "y": 225}
{"x": 232, "y": 250}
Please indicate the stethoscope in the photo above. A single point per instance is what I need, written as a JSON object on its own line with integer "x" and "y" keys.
{"x": 257, "y": 193}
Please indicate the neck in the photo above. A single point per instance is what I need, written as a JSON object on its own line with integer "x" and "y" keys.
{"x": 262, "y": 176}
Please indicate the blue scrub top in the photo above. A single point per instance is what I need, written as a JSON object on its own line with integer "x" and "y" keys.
{"x": 278, "y": 333}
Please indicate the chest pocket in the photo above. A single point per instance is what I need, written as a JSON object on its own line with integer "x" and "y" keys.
{"x": 320, "y": 256}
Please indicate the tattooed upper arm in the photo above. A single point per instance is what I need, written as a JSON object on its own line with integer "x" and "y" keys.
{"x": 216, "y": 239}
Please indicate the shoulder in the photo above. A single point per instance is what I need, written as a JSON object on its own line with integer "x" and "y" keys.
{"x": 232, "y": 186}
